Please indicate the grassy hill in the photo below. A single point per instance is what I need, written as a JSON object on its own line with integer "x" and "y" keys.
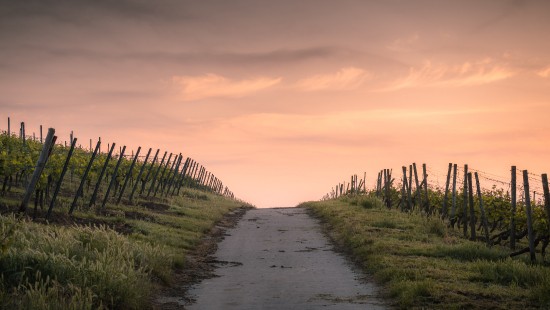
{"x": 112, "y": 251}
{"x": 422, "y": 263}
{"x": 113, "y": 260}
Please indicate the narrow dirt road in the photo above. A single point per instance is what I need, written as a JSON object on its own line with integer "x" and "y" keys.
{"x": 279, "y": 259}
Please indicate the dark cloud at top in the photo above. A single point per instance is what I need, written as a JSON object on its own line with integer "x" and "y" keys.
{"x": 82, "y": 11}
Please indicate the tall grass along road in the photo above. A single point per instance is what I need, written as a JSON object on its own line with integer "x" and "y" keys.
{"x": 422, "y": 263}
{"x": 279, "y": 259}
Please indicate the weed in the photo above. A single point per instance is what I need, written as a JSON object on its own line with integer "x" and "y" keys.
{"x": 409, "y": 292}
{"x": 385, "y": 223}
{"x": 436, "y": 226}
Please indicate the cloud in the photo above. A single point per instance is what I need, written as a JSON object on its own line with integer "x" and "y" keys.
{"x": 466, "y": 74}
{"x": 403, "y": 44}
{"x": 345, "y": 79}
{"x": 544, "y": 73}
{"x": 214, "y": 86}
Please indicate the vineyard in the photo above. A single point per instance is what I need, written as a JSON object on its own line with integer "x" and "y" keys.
{"x": 494, "y": 213}
{"x": 447, "y": 244}
{"x": 84, "y": 229}
{"x": 39, "y": 169}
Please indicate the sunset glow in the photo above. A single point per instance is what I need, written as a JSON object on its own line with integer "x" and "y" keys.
{"x": 282, "y": 100}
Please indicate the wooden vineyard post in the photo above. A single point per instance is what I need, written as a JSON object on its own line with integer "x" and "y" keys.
{"x": 426, "y": 199}
{"x": 385, "y": 186}
{"x": 202, "y": 176}
{"x": 210, "y": 184}
{"x": 182, "y": 176}
{"x": 530, "y": 231}
{"x": 205, "y": 177}
{"x": 365, "y": 182}
{"x": 60, "y": 181}
{"x": 197, "y": 172}
{"x": 144, "y": 182}
{"x": 41, "y": 134}
{"x": 113, "y": 178}
{"x": 152, "y": 186}
{"x": 23, "y": 134}
{"x": 453, "y": 207}
{"x": 381, "y": 182}
{"x": 388, "y": 188}
{"x": 417, "y": 188}
{"x": 546, "y": 197}
{"x": 408, "y": 188}
{"x": 98, "y": 184}
{"x": 172, "y": 177}
{"x": 161, "y": 181}
{"x": 411, "y": 206}
{"x": 83, "y": 180}
{"x": 140, "y": 173}
{"x": 192, "y": 172}
{"x": 40, "y": 164}
{"x": 482, "y": 210}
{"x": 403, "y": 188}
{"x": 199, "y": 175}
{"x": 173, "y": 174}
{"x": 188, "y": 173}
{"x": 378, "y": 181}
{"x": 465, "y": 203}
{"x": 472, "y": 211}
{"x": 513, "y": 189}
{"x": 128, "y": 175}
{"x": 9, "y": 128}
{"x": 446, "y": 196}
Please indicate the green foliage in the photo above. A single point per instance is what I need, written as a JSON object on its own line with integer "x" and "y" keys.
{"x": 409, "y": 292}
{"x": 422, "y": 263}
{"x": 436, "y": 226}
{"x": 45, "y": 266}
{"x": 365, "y": 201}
{"x": 468, "y": 252}
{"x": 385, "y": 223}
{"x": 114, "y": 268}
{"x": 511, "y": 272}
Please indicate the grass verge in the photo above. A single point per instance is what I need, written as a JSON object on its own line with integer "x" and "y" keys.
{"x": 421, "y": 263}
{"x": 114, "y": 260}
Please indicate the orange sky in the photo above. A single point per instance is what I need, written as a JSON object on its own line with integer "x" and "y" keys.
{"x": 283, "y": 99}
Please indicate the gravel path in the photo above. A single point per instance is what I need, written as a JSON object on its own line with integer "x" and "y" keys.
{"x": 279, "y": 259}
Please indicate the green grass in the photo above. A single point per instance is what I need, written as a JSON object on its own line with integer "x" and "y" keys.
{"x": 115, "y": 262}
{"x": 422, "y": 263}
